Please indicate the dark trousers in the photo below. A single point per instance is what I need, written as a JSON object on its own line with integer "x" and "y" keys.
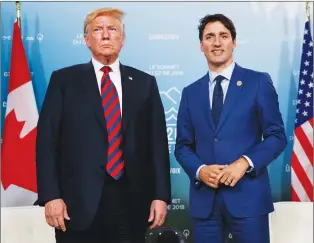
{"x": 113, "y": 220}
{"x": 220, "y": 222}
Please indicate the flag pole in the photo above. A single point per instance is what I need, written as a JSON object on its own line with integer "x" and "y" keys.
{"x": 307, "y": 10}
{"x": 18, "y": 12}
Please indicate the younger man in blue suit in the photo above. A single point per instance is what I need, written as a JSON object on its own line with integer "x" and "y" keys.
{"x": 229, "y": 129}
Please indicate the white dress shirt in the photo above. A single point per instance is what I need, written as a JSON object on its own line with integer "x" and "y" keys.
{"x": 227, "y": 73}
{"x": 115, "y": 76}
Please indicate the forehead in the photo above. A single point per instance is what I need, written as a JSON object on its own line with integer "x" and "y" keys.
{"x": 215, "y": 27}
{"x": 106, "y": 20}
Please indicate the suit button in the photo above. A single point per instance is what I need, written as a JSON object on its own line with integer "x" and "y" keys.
{"x": 216, "y": 140}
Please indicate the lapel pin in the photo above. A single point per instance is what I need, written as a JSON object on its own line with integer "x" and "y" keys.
{"x": 130, "y": 78}
{"x": 239, "y": 83}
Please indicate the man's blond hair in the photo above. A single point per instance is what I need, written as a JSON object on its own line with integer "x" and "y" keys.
{"x": 113, "y": 12}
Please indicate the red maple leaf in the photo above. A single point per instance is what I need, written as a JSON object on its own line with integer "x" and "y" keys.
{"x": 18, "y": 155}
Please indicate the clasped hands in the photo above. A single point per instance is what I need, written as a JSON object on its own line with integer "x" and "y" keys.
{"x": 214, "y": 175}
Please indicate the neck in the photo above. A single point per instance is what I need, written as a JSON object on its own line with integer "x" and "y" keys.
{"x": 106, "y": 60}
{"x": 218, "y": 68}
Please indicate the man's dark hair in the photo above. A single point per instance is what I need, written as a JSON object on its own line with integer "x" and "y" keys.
{"x": 214, "y": 18}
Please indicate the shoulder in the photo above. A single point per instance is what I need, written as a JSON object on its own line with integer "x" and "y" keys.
{"x": 136, "y": 73}
{"x": 196, "y": 85}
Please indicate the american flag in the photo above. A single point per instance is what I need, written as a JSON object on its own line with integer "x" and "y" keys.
{"x": 302, "y": 155}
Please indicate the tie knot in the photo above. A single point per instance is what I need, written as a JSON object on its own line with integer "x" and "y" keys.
{"x": 106, "y": 69}
{"x": 219, "y": 78}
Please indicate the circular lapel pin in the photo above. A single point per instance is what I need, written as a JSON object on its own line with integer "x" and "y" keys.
{"x": 239, "y": 83}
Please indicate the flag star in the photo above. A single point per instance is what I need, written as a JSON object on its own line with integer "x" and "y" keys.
{"x": 309, "y": 53}
{"x": 299, "y": 102}
{"x": 304, "y": 113}
{"x": 304, "y": 72}
{"x": 302, "y": 82}
{"x": 312, "y": 75}
{"x": 311, "y": 44}
{"x": 306, "y": 32}
{"x": 311, "y": 85}
{"x": 306, "y": 63}
{"x": 307, "y": 104}
{"x": 304, "y": 41}
{"x": 297, "y": 110}
{"x": 296, "y": 121}
{"x": 308, "y": 95}
{"x": 300, "y": 91}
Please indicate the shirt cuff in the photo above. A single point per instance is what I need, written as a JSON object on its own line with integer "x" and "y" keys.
{"x": 250, "y": 163}
{"x": 198, "y": 172}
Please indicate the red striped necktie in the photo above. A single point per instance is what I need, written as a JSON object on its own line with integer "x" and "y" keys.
{"x": 112, "y": 114}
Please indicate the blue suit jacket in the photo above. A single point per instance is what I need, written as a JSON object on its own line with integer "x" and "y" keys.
{"x": 250, "y": 124}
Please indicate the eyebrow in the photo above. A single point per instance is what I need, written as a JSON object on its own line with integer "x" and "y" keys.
{"x": 220, "y": 33}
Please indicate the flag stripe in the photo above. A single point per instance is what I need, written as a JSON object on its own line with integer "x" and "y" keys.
{"x": 305, "y": 150}
{"x": 302, "y": 176}
{"x": 298, "y": 189}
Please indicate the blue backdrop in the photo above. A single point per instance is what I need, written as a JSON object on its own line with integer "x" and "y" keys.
{"x": 162, "y": 39}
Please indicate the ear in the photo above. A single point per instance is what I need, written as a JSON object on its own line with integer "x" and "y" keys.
{"x": 234, "y": 43}
{"x": 86, "y": 38}
{"x": 201, "y": 46}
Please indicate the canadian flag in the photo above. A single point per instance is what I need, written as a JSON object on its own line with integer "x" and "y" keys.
{"x": 18, "y": 168}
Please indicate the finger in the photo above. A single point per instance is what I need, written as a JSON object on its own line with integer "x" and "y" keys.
{"x": 49, "y": 221}
{"x": 154, "y": 225}
{"x": 233, "y": 183}
{"x": 213, "y": 185}
{"x": 55, "y": 222}
{"x": 211, "y": 180}
{"x": 65, "y": 214}
{"x": 162, "y": 220}
{"x": 61, "y": 223}
{"x": 151, "y": 214}
{"x": 224, "y": 178}
{"x": 218, "y": 177}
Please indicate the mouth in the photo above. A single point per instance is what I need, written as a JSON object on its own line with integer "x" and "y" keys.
{"x": 106, "y": 46}
{"x": 217, "y": 52}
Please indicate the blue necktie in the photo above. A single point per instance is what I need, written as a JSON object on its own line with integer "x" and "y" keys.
{"x": 218, "y": 97}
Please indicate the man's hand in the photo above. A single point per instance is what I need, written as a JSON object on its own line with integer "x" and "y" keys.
{"x": 208, "y": 174}
{"x": 158, "y": 212}
{"x": 232, "y": 173}
{"x": 56, "y": 212}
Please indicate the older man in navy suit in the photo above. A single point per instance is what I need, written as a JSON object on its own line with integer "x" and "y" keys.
{"x": 102, "y": 149}
{"x": 229, "y": 130}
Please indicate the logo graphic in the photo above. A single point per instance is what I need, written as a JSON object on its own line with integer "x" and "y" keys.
{"x": 6, "y": 37}
{"x": 172, "y": 94}
{"x": 40, "y": 37}
{"x": 171, "y": 99}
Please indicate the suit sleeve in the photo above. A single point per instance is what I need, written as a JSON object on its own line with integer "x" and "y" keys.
{"x": 160, "y": 150}
{"x": 269, "y": 116}
{"x": 47, "y": 143}
{"x": 185, "y": 142}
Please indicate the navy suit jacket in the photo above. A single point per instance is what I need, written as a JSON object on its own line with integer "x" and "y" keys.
{"x": 72, "y": 143}
{"x": 250, "y": 124}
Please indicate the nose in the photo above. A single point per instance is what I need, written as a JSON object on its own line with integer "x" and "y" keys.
{"x": 217, "y": 41}
{"x": 106, "y": 34}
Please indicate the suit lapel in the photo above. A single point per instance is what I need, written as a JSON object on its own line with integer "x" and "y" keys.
{"x": 204, "y": 96}
{"x": 233, "y": 92}
{"x": 129, "y": 96}
{"x": 89, "y": 84}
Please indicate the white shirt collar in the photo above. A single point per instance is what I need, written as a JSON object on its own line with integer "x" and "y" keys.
{"x": 115, "y": 67}
{"x": 227, "y": 72}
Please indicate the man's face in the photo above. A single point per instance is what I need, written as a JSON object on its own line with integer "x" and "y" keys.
{"x": 105, "y": 37}
{"x": 217, "y": 44}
